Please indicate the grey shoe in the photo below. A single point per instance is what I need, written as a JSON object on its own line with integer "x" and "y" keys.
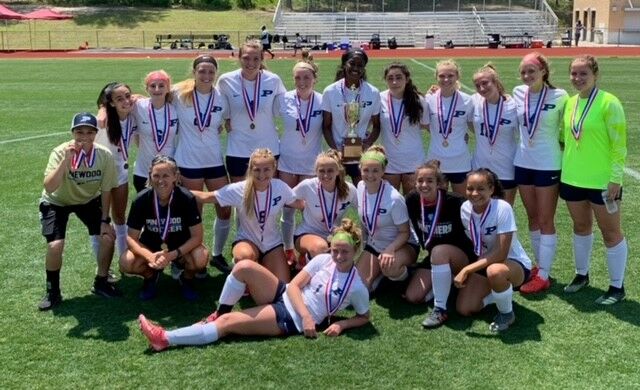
{"x": 578, "y": 282}
{"x": 612, "y": 296}
{"x": 502, "y": 321}
{"x": 436, "y": 318}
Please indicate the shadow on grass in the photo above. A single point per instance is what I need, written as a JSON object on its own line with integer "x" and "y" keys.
{"x": 584, "y": 301}
{"x": 526, "y": 327}
{"x": 389, "y": 296}
{"x": 110, "y": 319}
{"x": 119, "y": 17}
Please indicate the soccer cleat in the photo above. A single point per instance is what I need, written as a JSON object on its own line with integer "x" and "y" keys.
{"x": 220, "y": 263}
{"x": 290, "y": 256}
{"x": 156, "y": 334}
{"x": 534, "y": 271}
{"x": 187, "y": 290}
{"x": 535, "y": 285}
{"x": 103, "y": 288}
{"x": 111, "y": 277}
{"x": 502, "y": 321}
{"x": 578, "y": 282}
{"x": 149, "y": 287}
{"x": 50, "y": 300}
{"x": 435, "y": 319}
{"x": 612, "y": 296}
{"x": 202, "y": 274}
{"x": 175, "y": 271}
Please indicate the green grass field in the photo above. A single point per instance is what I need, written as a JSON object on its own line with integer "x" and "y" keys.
{"x": 558, "y": 341}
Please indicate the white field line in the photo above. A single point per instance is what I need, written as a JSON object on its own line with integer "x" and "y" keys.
{"x": 10, "y": 141}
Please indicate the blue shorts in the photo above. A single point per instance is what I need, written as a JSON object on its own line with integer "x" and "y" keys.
{"x": 508, "y": 184}
{"x": 527, "y": 275}
{"x": 204, "y": 173}
{"x": 283, "y": 317}
{"x": 534, "y": 177}
{"x": 456, "y": 177}
{"x": 571, "y": 193}
{"x": 237, "y": 166}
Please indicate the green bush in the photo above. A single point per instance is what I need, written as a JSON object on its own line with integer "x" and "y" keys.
{"x": 218, "y": 5}
{"x": 245, "y": 4}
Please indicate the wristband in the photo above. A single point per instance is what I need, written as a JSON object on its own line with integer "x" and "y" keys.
{"x": 106, "y": 220}
{"x": 179, "y": 253}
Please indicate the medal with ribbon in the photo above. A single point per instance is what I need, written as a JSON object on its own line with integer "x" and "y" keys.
{"x": 371, "y": 222}
{"x": 328, "y": 213}
{"x": 304, "y": 123}
{"x": 476, "y": 230}
{"x": 395, "y": 120}
{"x": 576, "y": 128}
{"x": 532, "y": 119}
{"x": 160, "y": 137}
{"x": 88, "y": 158}
{"x": 342, "y": 292}
{"x": 430, "y": 231}
{"x": 125, "y": 138}
{"x": 492, "y": 130}
{"x": 262, "y": 213}
{"x": 252, "y": 106}
{"x": 202, "y": 117}
{"x": 163, "y": 229}
{"x": 446, "y": 122}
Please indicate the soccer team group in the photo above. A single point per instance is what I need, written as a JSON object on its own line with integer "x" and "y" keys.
{"x": 455, "y": 206}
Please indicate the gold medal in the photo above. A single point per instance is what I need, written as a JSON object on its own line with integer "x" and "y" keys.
{"x": 164, "y": 247}
{"x": 252, "y": 126}
{"x": 445, "y": 143}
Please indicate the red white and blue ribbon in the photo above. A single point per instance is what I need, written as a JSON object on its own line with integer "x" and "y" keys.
{"x": 252, "y": 106}
{"x": 202, "y": 117}
{"x": 161, "y": 137}
{"x": 434, "y": 222}
{"x": 371, "y": 222}
{"x": 262, "y": 211}
{"x": 88, "y": 158}
{"x": 576, "y": 128}
{"x": 395, "y": 120}
{"x": 125, "y": 138}
{"x": 304, "y": 123}
{"x": 492, "y": 130}
{"x": 342, "y": 293}
{"x": 476, "y": 230}
{"x": 162, "y": 230}
{"x": 446, "y": 122}
{"x": 532, "y": 119}
{"x": 328, "y": 213}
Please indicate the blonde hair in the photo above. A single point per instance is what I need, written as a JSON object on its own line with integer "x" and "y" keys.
{"x": 347, "y": 226}
{"x": 449, "y": 63}
{"x": 490, "y": 70}
{"x": 185, "y": 88}
{"x": 341, "y": 185}
{"x": 378, "y": 149}
{"x": 256, "y": 45}
{"x": 308, "y": 65}
{"x": 159, "y": 75}
{"x": 249, "y": 189}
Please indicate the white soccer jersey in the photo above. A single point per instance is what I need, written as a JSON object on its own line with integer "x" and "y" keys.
{"x": 242, "y": 139}
{"x": 402, "y": 140}
{"x": 334, "y": 98}
{"x": 200, "y": 148}
{"x": 499, "y": 157}
{"x": 452, "y": 151}
{"x": 313, "y": 216}
{"x": 120, "y": 152}
{"x": 150, "y": 144}
{"x": 298, "y": 153}
{"x": 499, "y": 220}
{"x": 261, "y": 225}
{"x": 384, "y": 219}
{"x": 543, "y": 152}
{"x": 321, "y": 269}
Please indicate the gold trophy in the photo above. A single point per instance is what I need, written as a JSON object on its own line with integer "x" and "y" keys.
{"x": 352, "y": 147}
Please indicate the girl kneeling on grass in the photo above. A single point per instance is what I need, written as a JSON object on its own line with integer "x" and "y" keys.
{"x": 329, "y": 283}
{"x": 502, "y": 263}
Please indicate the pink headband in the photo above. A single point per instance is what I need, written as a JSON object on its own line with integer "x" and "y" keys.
{"x": 157, "y": 75}
{"x": 531, "y": 59}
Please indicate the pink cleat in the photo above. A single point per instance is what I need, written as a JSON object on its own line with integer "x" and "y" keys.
{"x": 154, "y": 333}
{"x": 535, "y": 285}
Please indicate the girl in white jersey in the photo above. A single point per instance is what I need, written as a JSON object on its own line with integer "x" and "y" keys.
{"x": 253, "y": 95}
{"x": 157, "y": 125}
{"x": 258, "y": 201}
{"x": 201, "y": 110}
{"x": 350, "y": 86}
{"x": 496, "y": 126}
{"x": 329, "y": 283}
{"x": 120, "y": 129}
{"x": 538, "y": 161}
{"x": 403, "y": 115}
{"x": 502, "y": 263}
{"x": 390, "y": 247}
{"x": 301, "y": 140}
{"x": 327, "y": 198}
{"x": 450, "y": 118}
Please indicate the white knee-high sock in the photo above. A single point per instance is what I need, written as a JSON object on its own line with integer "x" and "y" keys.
{"x": 534, "y": 235}
{"x": 441, "y": 284}
{"x": 582, "y": 246}
{"x": 121, "y": 238}
{"x": 504, "y": 300}
{"x": 221, "y": 229}
{"x": 617, "y": 261}
{"x": 231, "y": 291}
{"x": 197, "y": 334}
{"x": 546, "y": 254}
{"x": 95, "y": 246}
{"x": 288, "y": 226}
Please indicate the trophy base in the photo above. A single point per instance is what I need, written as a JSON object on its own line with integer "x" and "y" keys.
{"x": 352, "y": 149}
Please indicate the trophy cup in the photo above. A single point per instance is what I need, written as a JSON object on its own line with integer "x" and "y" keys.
{"x": 352, "y": 147}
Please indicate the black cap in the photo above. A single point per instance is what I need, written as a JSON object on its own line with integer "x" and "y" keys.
{"x": 84, "y": 119}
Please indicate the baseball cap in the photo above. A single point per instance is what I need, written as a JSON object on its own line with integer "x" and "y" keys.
{"x": 84, "y": 119}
